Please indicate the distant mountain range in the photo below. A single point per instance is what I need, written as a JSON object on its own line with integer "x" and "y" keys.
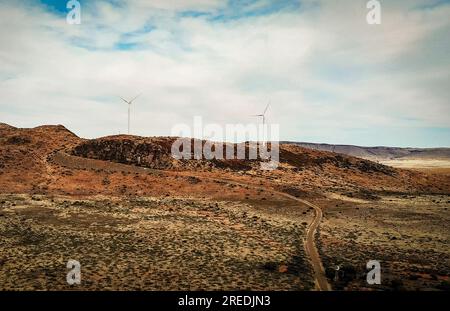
{"x": 379, "y": 153}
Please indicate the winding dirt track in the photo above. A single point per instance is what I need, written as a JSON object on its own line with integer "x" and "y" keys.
{"x": 311, "y": 249}
{"x": 320, "y": 279}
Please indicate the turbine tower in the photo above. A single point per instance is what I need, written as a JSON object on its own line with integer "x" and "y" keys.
{"x": 129, "y": 102}
{"x": 263, "y": 116}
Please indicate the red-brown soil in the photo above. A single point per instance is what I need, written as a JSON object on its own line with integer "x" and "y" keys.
{"x": 55, "y": 186}
{"x": 49, "y": 159}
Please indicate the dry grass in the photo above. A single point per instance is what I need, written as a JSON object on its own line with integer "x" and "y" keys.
{"x": 148, "y": 244}
{"x": 407, "y": 234}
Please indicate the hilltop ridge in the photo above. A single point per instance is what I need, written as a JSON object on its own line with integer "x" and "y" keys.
{"x": 30, "y": 154}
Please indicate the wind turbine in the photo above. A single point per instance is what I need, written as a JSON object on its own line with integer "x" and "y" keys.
{"x": 129, "y": 102}
{"x": 263, "y": 116}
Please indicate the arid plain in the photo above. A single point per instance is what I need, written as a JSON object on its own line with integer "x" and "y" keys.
{"x": 137, "y": 219}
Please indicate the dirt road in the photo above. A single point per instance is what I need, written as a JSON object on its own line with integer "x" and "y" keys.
{"x": 320, "y": 279}
{"x": 311, "y": 249}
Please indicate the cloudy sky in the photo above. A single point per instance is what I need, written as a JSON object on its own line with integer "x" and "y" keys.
{"x": 330, "y": 77}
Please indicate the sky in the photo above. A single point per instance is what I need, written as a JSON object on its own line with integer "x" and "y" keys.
{"x": 329, "y": 76}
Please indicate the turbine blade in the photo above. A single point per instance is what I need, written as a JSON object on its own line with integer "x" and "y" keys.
{"x": 267, "y": 107}
{"x": 124, "y": 99}
{"x": 135, "y": 97}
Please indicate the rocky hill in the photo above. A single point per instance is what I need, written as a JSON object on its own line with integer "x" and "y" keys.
{"x": 52, "y": 157}
{"x": 155, "y": 152}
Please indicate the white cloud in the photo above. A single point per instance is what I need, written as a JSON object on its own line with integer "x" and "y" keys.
{"x": 324, "y": 69}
